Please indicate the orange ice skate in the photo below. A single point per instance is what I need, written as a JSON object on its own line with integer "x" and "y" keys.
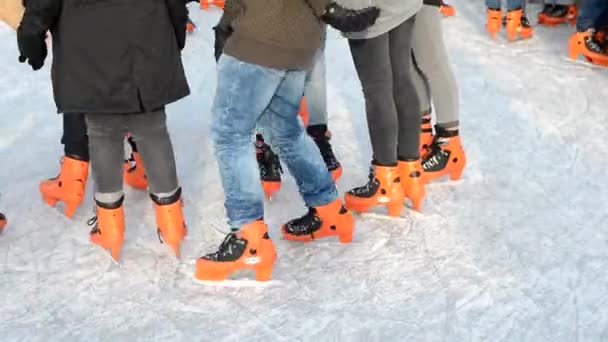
{"x": 69, "y": 186}
{"x": 251, "y": 248}
{"x": 383, "y": 188}
{"x": 170, "y": 220}
{"x": 323, "y": 221}
{"x": 412, "y": 182}
{"x": 109, "y": 227}
{"x": 447, "y": 157}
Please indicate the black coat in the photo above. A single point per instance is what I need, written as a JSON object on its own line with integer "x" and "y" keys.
{"x": 112, "y": 56}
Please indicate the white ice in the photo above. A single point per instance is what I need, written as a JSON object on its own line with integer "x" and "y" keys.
{"x": 516, "y": 251}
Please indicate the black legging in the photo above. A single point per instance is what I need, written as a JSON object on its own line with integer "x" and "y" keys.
{"x": 75, "y": 138}
{"x": 392, "y": 105}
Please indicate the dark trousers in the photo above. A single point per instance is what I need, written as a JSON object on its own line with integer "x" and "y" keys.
{"x": 384, "y": 67}
{"x": 75, "y": 139}
{"x": 149, "y": 130}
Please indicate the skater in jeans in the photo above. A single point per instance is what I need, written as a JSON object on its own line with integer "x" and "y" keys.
{"x": 436, "y": 84}
{"x": 558, "y": 11}
{"x": 123, "y": 82}
{"x": 516, "y": 21}
{"x": 382, "y": 57}
{"x": 314, "y": 113}
{"x": 262, "y": 79}
{"x": 586, "y": 41}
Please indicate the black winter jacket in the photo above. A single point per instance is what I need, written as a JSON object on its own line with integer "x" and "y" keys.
{"x": 112, "y": 56}
{"x": 432, "y": 2}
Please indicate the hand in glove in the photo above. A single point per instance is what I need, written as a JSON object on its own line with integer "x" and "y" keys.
{"x": 222, "y": 33}
{"x": 32, "y": 48}
{"x": 349, "y": 20}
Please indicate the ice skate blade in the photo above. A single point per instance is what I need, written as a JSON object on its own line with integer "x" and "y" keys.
{"x": 236, "y": 283}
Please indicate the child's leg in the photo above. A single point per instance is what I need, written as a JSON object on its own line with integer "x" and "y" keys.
{"x": 404, "y": 92}
{"x": 373, "y": 65}
{"x": 149, "y": 130}
{"x": 515, "y": 4}
{"x": 432, "y": 58}
{"x": 294, "y": 146}
{"x": 106, "y": 139}
{"x": 421, "y": 83}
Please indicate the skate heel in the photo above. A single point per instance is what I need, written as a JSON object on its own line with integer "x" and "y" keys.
{"x": 109, "y": 227}
{"x": 346, "y": 226}
{"x": 70, "y": 208}
{"x": 394, "y": 209}
{"x": 575, "y": 47}
{"x": 50, "y": 200}
{"x": 263, "y": 273}
{"x": 170, "y": 219}
{"x": 456, "y": 172}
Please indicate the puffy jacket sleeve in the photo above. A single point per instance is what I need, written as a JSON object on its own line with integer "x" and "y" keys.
{"x": 40, "y": 17}
{"x": 318, "y": 6}
{"x": 232, "y": 10}
{"x": 179, "y": 19}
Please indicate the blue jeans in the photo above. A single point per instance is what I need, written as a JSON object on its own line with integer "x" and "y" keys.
{"x": 248, "y": 94}
{"x": 511, "y": 4}
{"x": 591, "y": 12}
{"x": 316, "y": 91}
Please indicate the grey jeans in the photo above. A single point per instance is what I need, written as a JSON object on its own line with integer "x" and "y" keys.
{"x": 106, "y": 139}
{"x": 433, "y": 75}
{"x": 384, "y": 67}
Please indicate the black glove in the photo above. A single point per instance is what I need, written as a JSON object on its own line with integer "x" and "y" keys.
{"x": 32, "y": 48}
{"x": 349, "y": 20}
{"x": 222, "y": 33}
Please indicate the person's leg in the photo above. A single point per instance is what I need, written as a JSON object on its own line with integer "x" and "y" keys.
{"x": 589, "y": 14}
{"x": 315, "y": 91}
{"x": 243, "y": 93}
{"x": 493, "y": 4}
{"x": 69, "y": 186}
{"x": 373, "y": 64}
{"x": 106, "y": 134}
{"x": 404, "y": 93}
{"x": 293, "y": 145}
{"x": 75, "y": 138}
{"x": 408, "y": 104}
{"x": 433, "y": 60}
{"x": 149, "y": 131}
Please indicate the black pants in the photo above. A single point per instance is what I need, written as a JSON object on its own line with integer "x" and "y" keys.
{"x": 384, "y": 67}
{"x": 75, "y": 138}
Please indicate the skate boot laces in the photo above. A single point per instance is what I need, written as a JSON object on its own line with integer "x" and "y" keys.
{"x": 268, "y": 162}
{"x": 231, "y": 249}
{"x": 368, "y": 189}
{"x": 438, "y": 156}
{"x": 305, "y": 225}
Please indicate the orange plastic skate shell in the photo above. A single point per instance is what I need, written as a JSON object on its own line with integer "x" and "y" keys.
{"x": 337, "y": 221}
{"x": 259, "y": 256}
{"x": 303, "y": 112}
{"x": 205, "y": 4}
{"x": 544, "y": 19}
{"x": 110, "y": 232}
{"x": 171, "y": 225}
{"x": 577, "y": 47}
{"x": 447, "y": 10}
{"x": 514, "y": 26}
{"x": 494, "y": 22}
{"x": 390, "y": 193}
{"x": 69, "y": 186}
{"x": 135, "y": 175}
{"x": 412, "y": 182}
{"x": 454, "y": 167}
